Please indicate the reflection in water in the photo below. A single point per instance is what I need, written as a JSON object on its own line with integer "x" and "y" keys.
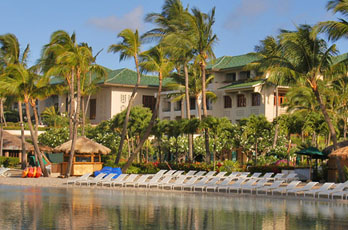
{"x": 78, "y": 208}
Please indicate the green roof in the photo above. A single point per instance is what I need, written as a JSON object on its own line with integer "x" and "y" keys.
{"x": 230, "y": 62}
{"x": 237, "y": 85}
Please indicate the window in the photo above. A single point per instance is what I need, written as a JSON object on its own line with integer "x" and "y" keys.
{"x": 281, "y": 98}
{"x": 256, "y": 99}
{"x": 92, "y": 109}
{"x": 96, "y": 158}
{"x": 192, "y": 103}
{"x": 227, "y": 102}
{"x": 166, "y": 105}
{"x": 230, "y": 77}
{"x": 244, "y": 75}
{"x": 149, "y": 102}
{"x": 83, "y": 159}
{"x": 209, "y": 104}
{"x": 177, "y": 106}
{"x": 241, "y": 100}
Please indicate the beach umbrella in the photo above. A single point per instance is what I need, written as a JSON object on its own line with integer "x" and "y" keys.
{"x": 313, "y": 153}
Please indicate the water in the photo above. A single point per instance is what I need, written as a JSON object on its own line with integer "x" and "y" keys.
{"x": 78, "y": 208}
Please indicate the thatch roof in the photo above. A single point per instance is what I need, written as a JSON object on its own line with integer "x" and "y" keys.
{"x": 83, "y": 146}
{"x": 341, "y": 153}
{"x": 43, "y": 148}
{"x": 329, "y": 149}
{"x": 12, "y": 142}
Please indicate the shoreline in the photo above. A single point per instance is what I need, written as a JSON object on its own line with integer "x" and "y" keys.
{"x": 55, "y": 182}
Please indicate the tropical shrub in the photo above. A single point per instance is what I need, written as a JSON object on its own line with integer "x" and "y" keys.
{"x": 9, "y": 161}
{"x": 54, "y": 137}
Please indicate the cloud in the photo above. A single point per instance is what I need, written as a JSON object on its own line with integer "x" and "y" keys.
{"x": 132, "y": 20}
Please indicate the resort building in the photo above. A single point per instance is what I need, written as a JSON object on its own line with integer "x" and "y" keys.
{"x": 112, "y": 97}
{"x": 239, "y": 93}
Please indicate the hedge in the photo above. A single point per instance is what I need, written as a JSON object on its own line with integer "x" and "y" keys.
{"x": 9, "y": 161}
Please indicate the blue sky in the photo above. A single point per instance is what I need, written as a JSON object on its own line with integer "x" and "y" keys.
{"x": 240, "y": 24}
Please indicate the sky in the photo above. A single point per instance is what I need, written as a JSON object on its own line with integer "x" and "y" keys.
{"x": 239, "y": 26}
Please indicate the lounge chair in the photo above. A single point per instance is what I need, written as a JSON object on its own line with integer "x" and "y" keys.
{"x": 210, "y": 174}
{"x": 3, "y": 172}
{"x": 324, "y": 187}
{"x": 227, "y": 186}
{"x": 119, "y": 178}
{"x": 214, "y": 187}
{"x": 307, "y": 187}
{"x": 244, "y": 174}
{"x": 189, "y": 182}
{"x": 81, "y": 178}
{"x": 290, "y": 177}
{"x": 105, "y": 179}
{"x": 341, "y": 194}
{"x": 234, "y": 174}
{"x": 92, "y": 180}
{"x": 221, "y": 174}
{"x": 338, "y": 190}
{"x": 178, "y": 173}
{"x": 191, "y": 173}
{"x": 237, "y": 188}
{"x": 165, "y": 180}
{"x": 152, "y": 181}
{"x": 130, "y": 178}
{"x": 251, "y": 187}
{"x": 200, "y": 173}
{"x": 159, "y": 173}
{"x": 278, "y": 176}
{"x": 266, "y": 176}
{"x": 256, "y": 175}
{"x": 201, "y": 182}
{"x": 180, "y": 180}
{"x": 141, "y": 179}
{"x": 169, "y": 173}
{"x": 282, "y": 190}
{"x": 203, "y": 186}
{"x": 266, "y": 189}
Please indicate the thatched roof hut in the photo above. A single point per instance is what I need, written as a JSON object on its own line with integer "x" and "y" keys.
{"x": 83, "y": 146}
{"x": 341, "y": 153}
{"x": 12, "y": 142}
{"x": 330, "y": 148}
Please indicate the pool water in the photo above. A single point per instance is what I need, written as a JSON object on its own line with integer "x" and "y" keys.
{"x": 79, "y": 208}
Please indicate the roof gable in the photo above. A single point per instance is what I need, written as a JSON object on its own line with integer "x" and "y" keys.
{"x": 230, "y": 62}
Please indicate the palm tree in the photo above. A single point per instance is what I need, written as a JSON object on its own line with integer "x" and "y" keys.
{"x": 10, "y": 54}
{"x": 129, "y": 47}
{"x": 154, "y": 60}
{"x": 335, "y": 29}
{"x": 25, "y": 82}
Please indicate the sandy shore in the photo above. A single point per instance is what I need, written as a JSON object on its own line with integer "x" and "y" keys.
{"x": 41, "y": 182}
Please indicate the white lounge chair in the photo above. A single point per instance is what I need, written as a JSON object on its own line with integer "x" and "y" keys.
{"x": 139, "y": 180}
{"x": 81, "y": 178}
{"x": 210, "y": 174}
{"x": 92, "y": 180}
{"x": 290, "y": 177}
{"x": 104, "y": 179}
{"x": 154, "y": 180}
{"x": 341, "y": 194}
{"x": 227, "y": 186}
{"x": 201, "y": 182}
{"x": 159, "y": 173}
{"x": 119, "y": 178}
{"x": 178, "y": 173}
{"x": 190, "y": 173}
{"x": 180, "y": 180}
{"x": 165, "y": 180}
{"x": 244, "y": 174}
{"x": 266, "y": 189}
{"x": 221, "y": 174}
{"x": 226, "y": 181}
{"x": 200, "y": 173}
{"x": 238, "y": 188}
{"x": 169, "y": 173}
{"x": 266, "y": 176}
{"x": 130, "y": 178}
{"x": 278, "y": 176}
{"x": 234, "y": 174}
{"x": 251, "y": 187}
{"x": 282, "y": 190}
{"x": 297, "y": 190}
{"x": 189, "y": 182}
{"x": 256, "y": 175}
{"x": 4, "y": 172}
{"x": 338, "y": 190}
{"x": 323, "y": 188}
{"x": 203, "y": 186}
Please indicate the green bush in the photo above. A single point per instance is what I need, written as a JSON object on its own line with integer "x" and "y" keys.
{"x": 9, "y": 161}
{"x": 230, "y": 166}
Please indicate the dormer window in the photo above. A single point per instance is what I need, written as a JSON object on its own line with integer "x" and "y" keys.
{"x": 230, "y": 77}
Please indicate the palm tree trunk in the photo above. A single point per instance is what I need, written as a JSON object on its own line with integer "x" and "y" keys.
{"x": 182, "y": 109}
{"x": 2, "y": 127}
{"x": 332, "y": 132}
{"x": 199, "y": 112}
{"x": 188, "y": 111}
{"x": 83, "y": 116}
{"x": 205, "y": 114}
{"x": 129, "y": 107}
{"x": 24, "y": 152}
{"x": 148, "y": 128}
{"x": 33, "y": 105}
{"x": 345, "y": 128}
{"x": 72, "y": 107}
{"x": 34, "y": 139}
{"x": 2, "y": 111}
{"x": 277, "y": 125}
{"x": 76, "y": 123}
